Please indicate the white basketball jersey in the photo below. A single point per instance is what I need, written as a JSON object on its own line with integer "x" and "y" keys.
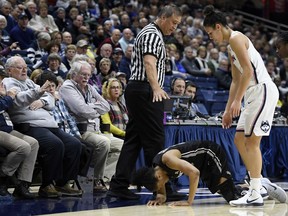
{"x": 260, "y": 74}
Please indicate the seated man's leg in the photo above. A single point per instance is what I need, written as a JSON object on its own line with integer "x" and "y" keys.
{"x": 26, "y": 168}
{"x": 19, "y": 151}
{"x": 71, "y": 161}
{"x": 25, "y": 171}
{"x": 115, "y": 149}
{"x": 101, "y": 150}
{"x": 50, "y": 154}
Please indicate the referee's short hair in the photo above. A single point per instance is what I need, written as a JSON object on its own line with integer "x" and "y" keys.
{"x": 170, "y": 10}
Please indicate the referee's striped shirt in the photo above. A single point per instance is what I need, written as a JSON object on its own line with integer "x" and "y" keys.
{"x": 148, "y": 41}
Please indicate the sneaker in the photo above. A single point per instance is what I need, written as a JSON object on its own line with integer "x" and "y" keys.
{"x": 252, "y": 198}
{"x": 125, "y": 194}
{"x": 21, "y": 191}
{"x": 263, "y": 193}
{"x": 67, "y": 190}
{"x": 274, "y": 190}
{"x": 48, "y": 192}
{"x": 99, "y": 186}
{"x": 3, "y": 186}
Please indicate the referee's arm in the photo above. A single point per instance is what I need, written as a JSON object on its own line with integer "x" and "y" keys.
{"x": 151, "y": 72}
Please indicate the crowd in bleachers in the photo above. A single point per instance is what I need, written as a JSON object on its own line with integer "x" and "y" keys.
{"x": 59, "y": 37}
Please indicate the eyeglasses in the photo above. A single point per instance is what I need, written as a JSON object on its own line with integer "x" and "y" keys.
{"x": 85, "y": 75}
{"x": 20, "y": 67}
{"x": 115, "y": 87}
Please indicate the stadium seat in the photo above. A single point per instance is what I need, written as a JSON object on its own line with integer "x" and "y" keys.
{"x": 217, "y": 107}
{"x": 204, "y": 82}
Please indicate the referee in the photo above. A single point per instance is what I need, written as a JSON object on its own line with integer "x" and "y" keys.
{"x": 144, "y": 99}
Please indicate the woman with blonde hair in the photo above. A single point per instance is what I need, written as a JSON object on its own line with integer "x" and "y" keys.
{"x": 117, "y": 117}
{"x": 35, "y": 74}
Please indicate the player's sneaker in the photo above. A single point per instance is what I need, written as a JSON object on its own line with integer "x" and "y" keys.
{"x": 263, "y": 191}
{"x": 252, "y": 198}
{"x": 274, "y": 190}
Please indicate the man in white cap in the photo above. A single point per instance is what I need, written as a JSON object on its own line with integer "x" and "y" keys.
{"x": 82, "y": 46}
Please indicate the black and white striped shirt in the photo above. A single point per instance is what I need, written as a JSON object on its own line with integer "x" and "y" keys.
{"x": 148, "y": 41}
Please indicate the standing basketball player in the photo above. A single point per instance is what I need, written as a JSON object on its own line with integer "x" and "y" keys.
{"x": 251, "y": 81}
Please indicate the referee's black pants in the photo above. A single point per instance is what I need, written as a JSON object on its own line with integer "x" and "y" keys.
{"x": 145, "y": 130}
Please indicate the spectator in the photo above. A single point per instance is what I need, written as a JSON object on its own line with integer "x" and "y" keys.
{"x": 196, "y": 28}
{"x": 67, "y": 40}
{"x": 126, "y": 39}
{"x": 21, "y": 33}
{"x": 116, "y": 59}
{"x": 125, "y": 62}
{"x": 176, "y": 62}
{"x": 104, "y": 71}
{"x": 189, "y": 63}
{"x": 59, "y": 152}
{"x": 213, "y": 61}
{"x": 83, "y": 10}
{"x": 223, "y": 74}
{"x": 60, "y": 19}
{"x": 47, "y": 20}
{"x": 201, "y": 61}
{"x": 56, "y": 37}
{"x": 86, "y": 105}
{"x": 98, "y": 36}
{"x": 113, "y": 40}
{"x": 94, "y": 79}
{"x": 5, "y": 36}
{"x": 76, "y": 28}
{"x": 70, "y": 52}
{"x": 117, "y": 117}
{"x": 34, "y": 22}
{"x": 22, "y": 150}
{"x": 38, "y": 49}
{"x": 82, "y": 46}
{"x": 122, "y": 78}
{"x": 54, "y": 62}
{"x": 35, "y": 74}
{"x": 105, "y": 52}
{"x": 5, "y": 10}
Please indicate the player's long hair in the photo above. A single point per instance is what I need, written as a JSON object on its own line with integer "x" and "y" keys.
{"x": 145, "y": 177}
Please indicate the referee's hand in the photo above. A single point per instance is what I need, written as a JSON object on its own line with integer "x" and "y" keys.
{"x": 159, "y": 95}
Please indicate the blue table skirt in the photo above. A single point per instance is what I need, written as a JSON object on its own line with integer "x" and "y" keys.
{"x": 274, "y": 148}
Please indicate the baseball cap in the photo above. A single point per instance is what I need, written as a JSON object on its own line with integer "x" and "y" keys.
{"x": 82, "y": 43}
{"x": 120, "y": 74}
{"x": 22, "y": 15}
{"x": 118, "y": 50}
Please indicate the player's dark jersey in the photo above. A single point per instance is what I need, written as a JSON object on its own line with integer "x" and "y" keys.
{"x": 208, "y": 157}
